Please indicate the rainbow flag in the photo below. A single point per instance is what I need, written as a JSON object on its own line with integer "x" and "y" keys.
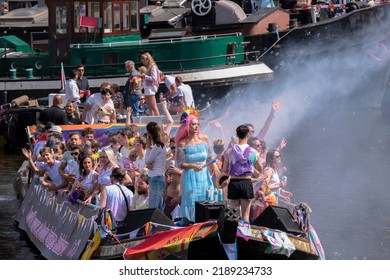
{"x": 172, "y": 244}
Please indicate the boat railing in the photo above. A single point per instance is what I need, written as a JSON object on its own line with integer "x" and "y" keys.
{"x": 148, "y": 41}
{"x": 93, "y": 69}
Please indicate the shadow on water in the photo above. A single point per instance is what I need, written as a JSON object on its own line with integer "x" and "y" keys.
{"x": 12, "y": 246}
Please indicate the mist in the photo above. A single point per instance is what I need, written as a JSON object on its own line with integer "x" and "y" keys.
{"x": 338, "y": 141}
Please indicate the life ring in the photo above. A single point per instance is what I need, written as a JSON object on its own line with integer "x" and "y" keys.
{"x": 201, "y": 7}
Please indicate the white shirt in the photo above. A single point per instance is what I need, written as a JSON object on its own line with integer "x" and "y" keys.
{"x": 169, "y": 80}
{"x": 72, "y": 92}
{"x": 116, "y": 201}
{"x": 186, "y": 91}
{"x": 156, "y": 156}
{"x": 96, "y": 100}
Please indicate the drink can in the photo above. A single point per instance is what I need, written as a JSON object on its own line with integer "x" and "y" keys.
{"x": 220, "y": 195}
{"x": 215, "y": 195}
{"x": 172, "y": 163}
{"x": 208, "y": 195}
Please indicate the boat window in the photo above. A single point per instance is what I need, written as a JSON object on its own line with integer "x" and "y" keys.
{"x": 126, "y": 17}
{"x": 107, "y": 6}
{"x": 79, "y": 10}
{"x": 134, "y": 16}
{"x": 117, "y": 16}
{"x": 93, "y": 10}
{"x": 61, "y": 23}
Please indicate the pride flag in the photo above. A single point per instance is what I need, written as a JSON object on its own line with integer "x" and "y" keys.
{"x": 171, "y": 244}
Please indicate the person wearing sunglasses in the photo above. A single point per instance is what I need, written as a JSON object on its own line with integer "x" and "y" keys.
{"x": 82, "y": 82}
{"x": 271, "y": 174}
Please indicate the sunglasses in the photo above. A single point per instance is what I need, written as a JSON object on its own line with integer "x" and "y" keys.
{"x": 106, "y": 91}
{"x": 75, "y": 153}
{"x": 173, "y": 148}
{"x": 142, "y": 98}
{"x": 278, "y": 156}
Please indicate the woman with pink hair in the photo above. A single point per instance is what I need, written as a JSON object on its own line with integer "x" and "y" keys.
{"x": 192, "y": 152}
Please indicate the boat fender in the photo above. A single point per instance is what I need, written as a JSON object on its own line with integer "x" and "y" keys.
{"x": 19, "y": 101}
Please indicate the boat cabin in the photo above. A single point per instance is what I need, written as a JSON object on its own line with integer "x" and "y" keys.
{"x": 96, "y": 21}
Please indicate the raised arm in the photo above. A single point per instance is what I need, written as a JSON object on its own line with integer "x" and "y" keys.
{"x": 274, "y": 107}
{"x": 170, "y": 123}
{"x": 86, "y": 108}
{"x": 28, "y": 155}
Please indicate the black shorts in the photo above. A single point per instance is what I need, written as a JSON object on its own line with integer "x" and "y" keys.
{"x": 240, "y": 188}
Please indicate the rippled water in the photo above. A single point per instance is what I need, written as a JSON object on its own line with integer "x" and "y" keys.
{"x": 12, "y": 246}
{"x": 338, "y": 162}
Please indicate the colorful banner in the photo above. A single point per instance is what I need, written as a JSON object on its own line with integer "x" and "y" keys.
{"x": 57, "y": 228}
{"x": 172, "y": 244}
{"x": 102, "y": 130}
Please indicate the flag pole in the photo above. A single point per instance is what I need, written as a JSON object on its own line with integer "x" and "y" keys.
{"x": 62, "y": 78}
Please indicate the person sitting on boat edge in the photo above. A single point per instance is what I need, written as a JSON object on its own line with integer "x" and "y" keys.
{"x": 116, "y": 196}
{"x": 72, "y": 92}
{"x": 54, "y": 114}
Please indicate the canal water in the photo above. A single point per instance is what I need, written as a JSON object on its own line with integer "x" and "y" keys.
{"x": 338, "y": 162}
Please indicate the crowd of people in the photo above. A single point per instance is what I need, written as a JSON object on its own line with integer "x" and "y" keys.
{"x": 155, "y": 168}
{"x": 121, "y": 103}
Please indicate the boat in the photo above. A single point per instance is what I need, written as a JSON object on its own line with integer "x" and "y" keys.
{"x": 222, "y": 47}
{"x": 148, "y": 234}
{"x": 96, "y": 35}
{"x": 217, "y": 232}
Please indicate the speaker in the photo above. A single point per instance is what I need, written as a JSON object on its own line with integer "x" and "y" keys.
{"x": 277, "y": 217}
{"x": 209, "y": 210}
{"x": 137, "y": 218}
{"x": 227, "y": 228}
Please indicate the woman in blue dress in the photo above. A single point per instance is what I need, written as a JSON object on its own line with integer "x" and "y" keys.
{"x": 192, "y": 152}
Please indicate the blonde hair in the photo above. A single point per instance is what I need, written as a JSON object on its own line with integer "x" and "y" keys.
{"x": 142, "y": 70}
{"x": 111, "y": 156}
{"x": 148, "y": 57}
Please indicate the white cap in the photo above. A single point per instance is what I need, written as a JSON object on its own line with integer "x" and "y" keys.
{"x": 55, "y": 128}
